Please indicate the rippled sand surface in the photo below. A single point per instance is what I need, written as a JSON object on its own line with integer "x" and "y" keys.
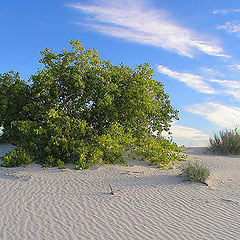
{"x": 148, "y": 203}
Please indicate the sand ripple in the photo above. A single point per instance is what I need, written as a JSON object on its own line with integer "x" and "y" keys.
{"x": 147, "y": 204}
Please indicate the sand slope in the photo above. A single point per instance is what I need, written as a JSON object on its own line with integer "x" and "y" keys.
{"x": 148, "y": 203}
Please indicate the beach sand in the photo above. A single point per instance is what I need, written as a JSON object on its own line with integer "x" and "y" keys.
{"x": 148, "y": 203}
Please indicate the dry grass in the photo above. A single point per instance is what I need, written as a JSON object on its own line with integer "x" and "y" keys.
{"x": 226, "y": 142}
{"x": 195, "y": 172}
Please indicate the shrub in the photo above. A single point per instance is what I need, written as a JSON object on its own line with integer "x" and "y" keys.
{"x": 226, "y": 142}
{"x": 60, "y": 164}
{"x": 195, "y": 171}
{"x": 18, "y": 157}
{"x": 158, "y": 151}
{"x": 84, "y": 110}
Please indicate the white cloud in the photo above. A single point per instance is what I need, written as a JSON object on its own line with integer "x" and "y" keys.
{"x": 222, "y": 115}
{"x": 187, "y": 132}
{"x": 193, "y": 81}
{"x": 188, "y": 136}
{"x": 234, "y": 66}
{"x": 227, "y": 83}
{"x": 231, "y": 87}
{"x": 224, "y": 11}
{"x": 197, "y": 82}
{"x": 213, "y": 72}
{"x": 220, "y": 11}
{"x": 237, "y": 66}
{"x": 235, "y": 93}
{"x": 133, "y": 20}
{"x": 232, "y": 27}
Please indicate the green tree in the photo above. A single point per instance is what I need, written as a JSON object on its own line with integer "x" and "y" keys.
{"x": 14, "y": 95}
{"x": 84, "y": 110}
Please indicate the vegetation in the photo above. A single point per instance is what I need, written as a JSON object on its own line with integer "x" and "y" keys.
{"x": 18, "y": 157}
{"x": 195, "y": 171}
{"x": 226, "y": 142}
{"x": 84, "y": 110}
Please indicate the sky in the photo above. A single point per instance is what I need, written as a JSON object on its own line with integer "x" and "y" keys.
{"x": 192, "y": 46}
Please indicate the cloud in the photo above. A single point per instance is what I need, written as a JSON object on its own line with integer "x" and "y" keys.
{"x": 234, "y": 66}
{"x": 231, "y": 27}
{"x": 227, "y": 83}
{"x": 225, "y": 11}
{"x": 210, "y": 70}
{"x": 188, "y": 136}
{"x": 231, "y": 87}
{"x": 193, "y": 81}
{"x": 220, "y": 11}
{"x": 237, "y": 66}
{"x": 196, "y": 82}
{"x": 235, "y": 93}
{"x": 222, "y": 115}
{"x": 213, "y": 72}
{"x": 187, "y": 132}
{"x": 133, "y": 20}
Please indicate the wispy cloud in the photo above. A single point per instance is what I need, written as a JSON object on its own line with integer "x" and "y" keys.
{"x": 213, "y": 72}
{"x": 237, "y": 66}
{"x": 225, "y": 11}
{"x": 227, "y": 83}
{"x": 188, "y": 136}
{"x": 187, "y": 132}
{"x": 134, "y": 20}
{"x": 231, "y": 27}
{"x": 222, "y": 115}
{"x": 204, "y": 85}
{"x": 193, "y": 81}
{"x": 234, "y": 66}
{"x": 231, "y": 87}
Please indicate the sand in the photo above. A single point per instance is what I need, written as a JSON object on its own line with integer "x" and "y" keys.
{"x": 148, "y": 203}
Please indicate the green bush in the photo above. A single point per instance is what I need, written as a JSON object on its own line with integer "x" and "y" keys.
{"x": 158, "y": 151}
{"x": 18, "y": 157}
{"x": 226, "y": 142}
{"x": 84, "y": 110}
{"x": 14, "y": 94}
{"x": 60, "y": 164}
{"x": 195, "y": 171}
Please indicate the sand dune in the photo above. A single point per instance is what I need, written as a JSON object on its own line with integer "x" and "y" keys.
{"x": 148, "y": 203}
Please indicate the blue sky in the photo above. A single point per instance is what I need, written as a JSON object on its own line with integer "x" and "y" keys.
{"x": 193, "y": 47}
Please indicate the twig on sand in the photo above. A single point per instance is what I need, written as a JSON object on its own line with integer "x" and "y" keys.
{"x": 111, "y": 190}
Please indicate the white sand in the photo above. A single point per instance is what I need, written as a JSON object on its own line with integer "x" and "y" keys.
{"x": 148, "y": 203}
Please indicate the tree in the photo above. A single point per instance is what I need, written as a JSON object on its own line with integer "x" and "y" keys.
{"x": 84, "y": 110}
{"x": 14, "y": 94}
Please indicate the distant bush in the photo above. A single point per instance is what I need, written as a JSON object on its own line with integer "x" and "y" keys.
{"x": 226, "y": 142}
{"x": 195, "y": 172}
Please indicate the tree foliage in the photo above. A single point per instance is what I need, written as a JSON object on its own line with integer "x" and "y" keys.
{"x": 84, "y": 110}
{"x": 14, "y": 94}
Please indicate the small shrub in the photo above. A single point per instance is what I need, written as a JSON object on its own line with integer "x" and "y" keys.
{"x": 60, "y": 164}
{"x": 16, "y": 158}
{"x": 226, "y": 142}
{"x": 195, "y": 172}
